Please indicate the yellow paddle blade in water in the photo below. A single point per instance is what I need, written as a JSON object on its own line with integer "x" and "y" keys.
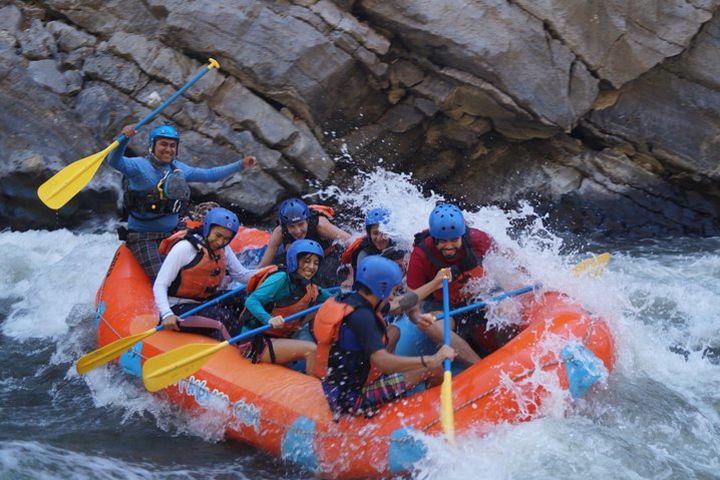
{"x": 171, "y": 367}
{"x": 64, "y": 185}
{"x": 109, "y": 352}
{"x": 447, "y": 416}
{"x": 593, "y": 266}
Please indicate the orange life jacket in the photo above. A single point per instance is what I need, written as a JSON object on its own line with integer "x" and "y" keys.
{"x": 349, "y": 256}
{"x": 286, "y": 306}
{"x": 326, "y": 330}
{"x": 201, "y": 278}
{"x": 470, "y": 268}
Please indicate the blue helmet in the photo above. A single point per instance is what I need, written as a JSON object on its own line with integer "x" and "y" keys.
{"x": 221, "y": 217}
{"x": 446, "y": 222}
{"x": 380, "y": 275}
{"x": 292, "y": 211}
{"x": 377, "y": 216}
{"x": 298, "y": 247}
{"x": 163, "y": 131}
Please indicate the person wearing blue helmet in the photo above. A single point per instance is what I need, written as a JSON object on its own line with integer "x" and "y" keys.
{"x": 157, "y": 191}
{"x": 374, "y": 242}
{"x": 450, "y": 243}
{"x": 352, "y": 337}
{"x": 275, "y": 293}
{"x": 297, "y": 221}
{"x": 195, "y": 267}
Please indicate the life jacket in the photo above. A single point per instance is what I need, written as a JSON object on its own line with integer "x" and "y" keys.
{"x": 201, "y": 278}
{"x": 326, "y": 330}
{"x": 470, "y": 267}
{"x": 312, "y": 230}
{"x": 171, "y": 195}
{"x": 285, "y": 306}
{"x": 350, "y": 255}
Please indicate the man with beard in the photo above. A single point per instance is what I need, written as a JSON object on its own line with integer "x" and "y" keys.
{"x": 449, "y": 243}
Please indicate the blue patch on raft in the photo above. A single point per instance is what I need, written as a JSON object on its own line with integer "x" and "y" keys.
{"x": 404, "y": 450}
{"x": 99, "y": 313}
{"x": 130, "y": 360}
{"x": 583, "y": 367}
{"x": 297, "y": 445}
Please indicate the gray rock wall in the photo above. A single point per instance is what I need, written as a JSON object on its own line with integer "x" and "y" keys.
{"x": 604, "y": 113}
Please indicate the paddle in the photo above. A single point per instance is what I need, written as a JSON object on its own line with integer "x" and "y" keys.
{"x": 111, "y": 351}
{"x": 593, "y": 266}
{"x": 169, "y": 368}
{"x": 65, "y": 184}
{"x": 446, "y": 408}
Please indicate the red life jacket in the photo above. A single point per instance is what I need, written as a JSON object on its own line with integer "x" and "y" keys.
{"x": 326, "y": 330}
{"x": 286, "y": 306}
{"x": 201, "y": 278}
{"x": 470, "y": 267}
{"x": 312, "y": 230}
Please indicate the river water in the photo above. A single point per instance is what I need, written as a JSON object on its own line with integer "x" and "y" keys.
{"x": 657, "y": 416}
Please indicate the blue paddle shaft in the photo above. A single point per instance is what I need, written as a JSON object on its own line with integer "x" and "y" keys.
{"x": 251, "y": 333}
{"x": 446, "y": 321}
{"x": 151, "y": 116}
{"x": 243, "y": 336}
{"x": 497, "y": 298}
{"x": 209, "y": 303}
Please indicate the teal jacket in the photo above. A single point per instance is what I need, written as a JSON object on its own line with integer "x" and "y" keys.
{"x": 277, "y": 286}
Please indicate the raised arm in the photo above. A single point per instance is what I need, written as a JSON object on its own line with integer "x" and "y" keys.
{"x": 272, "y": 248}
{"x": 406, "y": 303}
{"x": 215, "y": 174}
{"x": 327, "y": 230}
{"x": 117, "y": 159}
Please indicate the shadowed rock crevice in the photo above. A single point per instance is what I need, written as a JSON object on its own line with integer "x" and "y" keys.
{"x": 604, "y": 114}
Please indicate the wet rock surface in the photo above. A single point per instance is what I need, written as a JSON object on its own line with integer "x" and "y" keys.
{"x": 605, "y": 115}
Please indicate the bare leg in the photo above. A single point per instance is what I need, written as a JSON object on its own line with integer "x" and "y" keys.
{"x": 287, "y": 350}
{"x": 464, "y": 351}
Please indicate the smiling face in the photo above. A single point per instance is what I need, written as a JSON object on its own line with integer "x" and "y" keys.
{"x": 298, "y": 230}
{"x": 449, "y": 248}
{"x": 308, "y": 264}
{"x": 219, "y": 237}
{"x": 165, "y": 150}
{"x": 379, "y": 239}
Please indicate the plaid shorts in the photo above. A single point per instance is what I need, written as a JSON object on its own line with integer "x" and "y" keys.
{"x": 145, "y": 246}
{"x": 383, "y": 390}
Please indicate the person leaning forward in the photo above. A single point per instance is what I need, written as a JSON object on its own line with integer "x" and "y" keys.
{"x": 358, "y": 373}
{"x": 157, "y": 190}
{"x": 297, "y": 221}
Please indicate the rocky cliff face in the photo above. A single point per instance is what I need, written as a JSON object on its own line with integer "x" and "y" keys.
{"x": 604, "y": 113}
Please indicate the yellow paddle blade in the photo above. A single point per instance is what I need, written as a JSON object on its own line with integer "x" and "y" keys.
{"x": 447, "y": 416}
{"x": 171, "y": 367}
{"x": 111, "y": 351}
{"x": 593, "y": 266}
{"x": 64, "y": 185}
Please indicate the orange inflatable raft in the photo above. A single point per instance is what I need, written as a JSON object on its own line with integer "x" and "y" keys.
{"x": 562, "y": 350}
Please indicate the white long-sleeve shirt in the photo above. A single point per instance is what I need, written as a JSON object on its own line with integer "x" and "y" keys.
{"x": 181, "y": 254}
